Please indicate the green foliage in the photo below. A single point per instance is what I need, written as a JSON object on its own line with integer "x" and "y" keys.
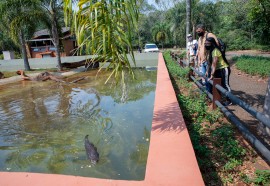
{"x": 161, "y": 37}
{"x": 103, "y": 29}
{"x": 5, "y": 42}
{"x": 19, "y": 16}
{"x": 253, "y": 65}
{"x": 241, "y": 24}
{"x": 236, "y": 39}
{"x": 259, "y": 16}
{"x": 183, "y": 54}
{"x": 2, "y": 56}
{"x": 173, "y": 67}
{"x": 161, "y": 33}
{"x": 232, "y": 164}
{"x": 213, "y": 116}
{"x": 224, "y": 136}
{"x": 262, "y": 177}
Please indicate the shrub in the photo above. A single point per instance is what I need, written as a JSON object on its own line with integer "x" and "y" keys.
{"x": 253, "y": 65}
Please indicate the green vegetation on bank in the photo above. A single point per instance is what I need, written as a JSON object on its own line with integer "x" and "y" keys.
{"x": 218, "y": 152}
{"x": 253, "y": 65}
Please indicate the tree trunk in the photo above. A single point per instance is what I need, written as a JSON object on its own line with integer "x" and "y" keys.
{"x": 56, "y": 41}
{"x": 24, "y": 54}
{"x": 265, "y": 131}
{"x": 1, "y": 75}
{"x": 188, "y": 15}
{"x": 194, "y": 30}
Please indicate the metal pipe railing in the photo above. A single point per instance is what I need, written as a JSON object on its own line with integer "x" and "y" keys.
{"x": 258, "y": 145}
{"x": 258, "y": 115}
{"x": 246, "y": 133}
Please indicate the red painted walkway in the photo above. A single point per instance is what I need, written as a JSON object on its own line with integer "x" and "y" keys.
{"x": 171, "y": 159}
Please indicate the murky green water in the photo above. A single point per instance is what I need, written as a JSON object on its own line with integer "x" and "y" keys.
{"x": 43, "y": 125}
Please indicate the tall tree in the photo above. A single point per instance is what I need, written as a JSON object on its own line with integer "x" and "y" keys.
{"x": 19, "y": 17}
{"x": 53, "y": 14}
{"x": 176, "y": 18}
{"x": 259, "y": 15}
{"x": 5, "y": 42}
{"x": 188, "y": 16}
{"x": 160, "y": 32}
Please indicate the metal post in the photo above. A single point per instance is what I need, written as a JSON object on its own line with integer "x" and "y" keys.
{"x": 191, "y": 71}
{"x": 216, "y": 93}
{"x": 179, "y": 61}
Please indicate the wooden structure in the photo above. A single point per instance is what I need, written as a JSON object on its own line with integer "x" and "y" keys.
{"x": 41, "y": 45}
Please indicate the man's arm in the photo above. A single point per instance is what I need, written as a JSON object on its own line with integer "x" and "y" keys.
{"x": 213, "y": 36}
{"x": 213, "y": 67}
{"x": 198, "y": 56}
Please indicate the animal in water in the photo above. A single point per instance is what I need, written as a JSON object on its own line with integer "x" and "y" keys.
{"x": 91, "y": 151}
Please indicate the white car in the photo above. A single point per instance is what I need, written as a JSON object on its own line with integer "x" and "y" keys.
{"x": 151, "y": 48}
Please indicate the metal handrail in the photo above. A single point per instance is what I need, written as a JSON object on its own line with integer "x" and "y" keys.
{"x": 246, "y": 133}
{"x": 256, "y": 114}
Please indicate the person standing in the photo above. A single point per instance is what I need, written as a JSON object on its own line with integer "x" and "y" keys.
{"x": 220, "y": 67}
{"x": 192, "y": 47}
{"x": 202, "y": 53}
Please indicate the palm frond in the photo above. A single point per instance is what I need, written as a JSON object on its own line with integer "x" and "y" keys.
{"x": 103, "y": 29}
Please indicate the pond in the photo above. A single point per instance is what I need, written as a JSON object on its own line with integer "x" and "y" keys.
{"x": 43, "y": 125}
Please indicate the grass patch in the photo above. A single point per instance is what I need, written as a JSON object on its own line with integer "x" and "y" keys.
{"x": 216, "y": 143}
{"x": 253, "y": 65}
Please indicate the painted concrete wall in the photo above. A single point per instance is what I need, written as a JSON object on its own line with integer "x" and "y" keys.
{"x": 142, "y": 60}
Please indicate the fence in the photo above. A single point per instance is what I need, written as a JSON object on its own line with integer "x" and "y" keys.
{"x": 218, "y": 90}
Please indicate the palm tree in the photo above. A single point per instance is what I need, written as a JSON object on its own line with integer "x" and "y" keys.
{"x": 19, "y": 17}
{"x": 188, "y": 13}
{"x": 53, "y": 13}
{"x": 160, "y": 33}
{"x": 5, "y": 42}
{"x": 103, "y": 28}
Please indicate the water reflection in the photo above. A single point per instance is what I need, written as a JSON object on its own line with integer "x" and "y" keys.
{"x": 42, "y": 126}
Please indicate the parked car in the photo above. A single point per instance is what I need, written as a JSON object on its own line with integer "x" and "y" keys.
{"x": 150, "y": 47}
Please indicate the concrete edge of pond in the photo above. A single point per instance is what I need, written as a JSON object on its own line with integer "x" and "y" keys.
{"x": 171, "y": 159}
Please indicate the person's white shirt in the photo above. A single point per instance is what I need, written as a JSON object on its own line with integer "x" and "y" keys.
{"x": 190, "y": 47}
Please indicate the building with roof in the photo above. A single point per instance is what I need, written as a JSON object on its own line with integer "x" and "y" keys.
{"x": 41, "y": 45}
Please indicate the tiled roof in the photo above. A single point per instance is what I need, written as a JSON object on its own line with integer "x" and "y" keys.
{"x": 46, "y": 32}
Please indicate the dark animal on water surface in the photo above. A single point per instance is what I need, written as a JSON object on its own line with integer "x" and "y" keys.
{"x": 91, "y": 151}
